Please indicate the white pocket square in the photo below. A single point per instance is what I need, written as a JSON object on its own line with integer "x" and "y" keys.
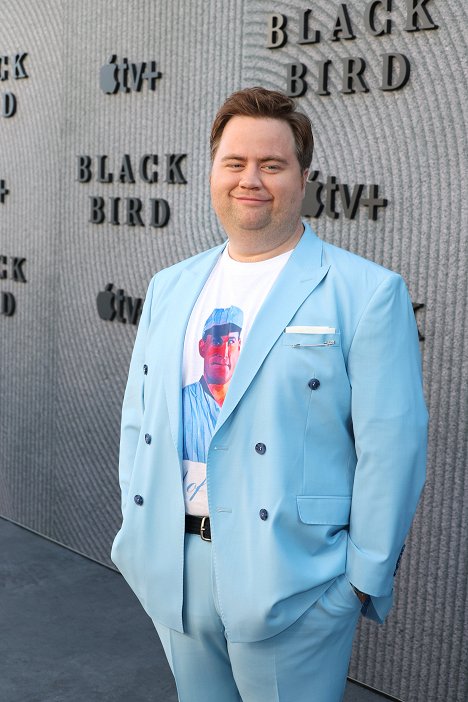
{"x": 310, "y": 330}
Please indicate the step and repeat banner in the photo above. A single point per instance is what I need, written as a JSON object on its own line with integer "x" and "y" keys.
{"x": 105, "y": 113}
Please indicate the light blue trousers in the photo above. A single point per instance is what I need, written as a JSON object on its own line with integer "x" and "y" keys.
{"x": 307, "y": 662}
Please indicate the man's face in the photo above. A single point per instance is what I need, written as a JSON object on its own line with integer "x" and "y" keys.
{"x": 256, "y": 181}
{"x": 220, "y": 351}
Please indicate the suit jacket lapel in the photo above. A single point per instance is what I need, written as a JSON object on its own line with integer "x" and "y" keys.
{"x": 301, "y": 274}
{"x": 181, "y": 302}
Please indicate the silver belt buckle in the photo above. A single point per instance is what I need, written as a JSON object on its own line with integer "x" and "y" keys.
{"x": 202, "y": 529}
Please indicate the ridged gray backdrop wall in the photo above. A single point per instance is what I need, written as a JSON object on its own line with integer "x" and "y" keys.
{"x": 63, "y": 368}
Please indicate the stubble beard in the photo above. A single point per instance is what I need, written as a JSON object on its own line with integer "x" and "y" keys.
{"x": 256, "y": 234}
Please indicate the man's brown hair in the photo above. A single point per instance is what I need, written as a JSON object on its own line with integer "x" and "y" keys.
{"x": 259, "y": 102}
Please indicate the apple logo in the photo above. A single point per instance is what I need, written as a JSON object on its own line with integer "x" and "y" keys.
{"x": 105, "y": 303}
{"x": 108, "y": 76}
{"x": 312, "y": 205}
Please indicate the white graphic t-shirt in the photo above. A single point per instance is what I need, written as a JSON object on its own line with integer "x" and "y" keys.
{"x": 217, "y": 330}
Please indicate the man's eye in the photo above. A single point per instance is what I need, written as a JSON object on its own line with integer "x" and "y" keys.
{"x": 234, "y": 166}
{"x": 271, "y": 167}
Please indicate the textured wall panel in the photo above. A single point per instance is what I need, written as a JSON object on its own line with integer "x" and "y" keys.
{"x": 29, "y": 162}
{"x": 199, "y": 67}
{"x": 63, "y": 369}
{"x": 413, "y": 144}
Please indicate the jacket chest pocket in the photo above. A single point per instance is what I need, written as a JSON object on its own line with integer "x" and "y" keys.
{"x": 298, "y": 340}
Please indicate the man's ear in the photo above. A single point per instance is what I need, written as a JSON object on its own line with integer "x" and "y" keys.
{"x": 201, "y": 348}
{"x": 305, "y": 175}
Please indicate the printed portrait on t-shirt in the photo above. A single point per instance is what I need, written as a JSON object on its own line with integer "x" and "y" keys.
{"x": 218, "y": 350}
{"x": 219, "y": 347}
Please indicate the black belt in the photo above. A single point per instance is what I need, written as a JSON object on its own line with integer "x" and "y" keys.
{"x": 198, "y": 525}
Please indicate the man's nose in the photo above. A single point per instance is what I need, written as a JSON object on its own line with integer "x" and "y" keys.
{"x": 222, "y": 347}
{"x": 250, "y": 178}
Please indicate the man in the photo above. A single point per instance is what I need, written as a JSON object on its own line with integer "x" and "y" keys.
{"x": 316, "y": 460}
{"x": 202, "y": 400}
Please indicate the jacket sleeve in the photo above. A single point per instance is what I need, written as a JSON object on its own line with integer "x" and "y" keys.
{"x": 133, "y": 403}
{"x": 390, "y": 430}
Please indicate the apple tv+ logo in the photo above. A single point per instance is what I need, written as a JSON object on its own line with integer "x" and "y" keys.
{"x": 320, "y": 196}
{"x": 115, "y": 304}
{"x": 125, "y": 77}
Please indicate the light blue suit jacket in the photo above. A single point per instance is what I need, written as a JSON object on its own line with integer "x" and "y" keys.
{"x": 344, "y": 463}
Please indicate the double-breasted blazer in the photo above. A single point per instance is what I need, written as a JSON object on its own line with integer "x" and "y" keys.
{"x": 337, "y": 485}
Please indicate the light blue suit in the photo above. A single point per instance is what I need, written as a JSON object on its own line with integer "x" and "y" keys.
{"x": 344, "y": 463}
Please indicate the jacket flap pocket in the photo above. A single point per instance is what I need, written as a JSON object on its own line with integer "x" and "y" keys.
{"x": 301, "y": 340}
{"x": 324, "y": 509}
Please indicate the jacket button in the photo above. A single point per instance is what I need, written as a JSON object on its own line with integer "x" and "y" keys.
{"x": 314, "y": 384}
{"x": 148, "y": 438}
{"x": 138, "y": 500}
{"x": 260, "y": 448}
{"x": 263, "y": 514}
{"x": 145, "y": 369}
